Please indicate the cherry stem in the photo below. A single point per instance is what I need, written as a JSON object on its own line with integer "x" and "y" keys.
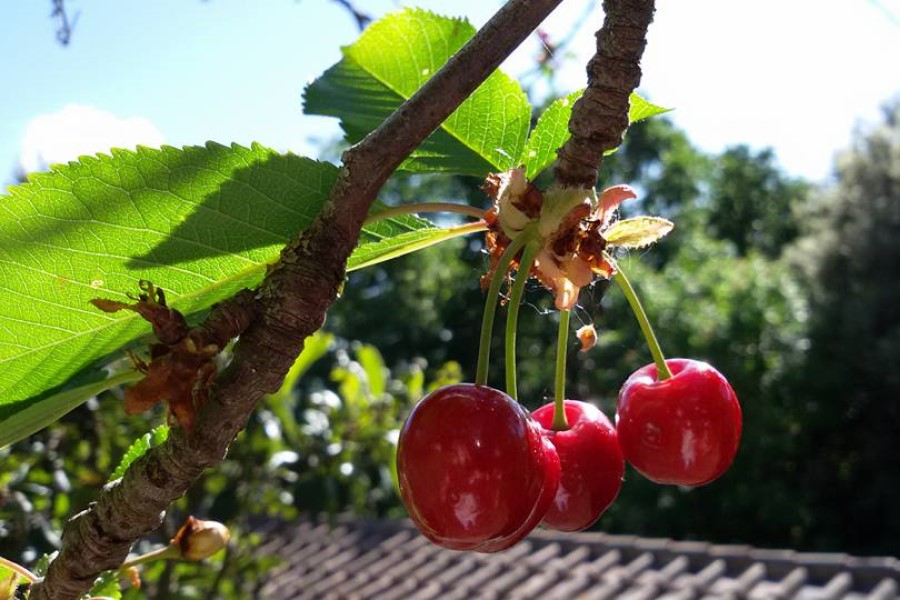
{"x": 19, "y": 570}
{"x": 166, "y": 552}
{"x": 662, "y": 370}
{"x": 560, "y": 422}
{"x": 490, "y": 303}
{"x": 422, "y": 207}
{"x": 512, "y": 315}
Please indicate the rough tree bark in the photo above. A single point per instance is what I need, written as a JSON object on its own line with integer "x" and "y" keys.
{"x": 291, "y": 302}
{"x": 600, "y": 116}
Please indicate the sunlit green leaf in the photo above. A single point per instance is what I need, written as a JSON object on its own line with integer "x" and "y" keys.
{"x": 552, "y": 129}
{"x": 550, "y": 133}
{"x": 637, "y": 232}
{"x": 9, "y": 580}
{"x": 641, "y": 109}
{"x": 376, "y": 372}
{"x": 36, "y": 415}
{"x": 140, "y": 446}
{"x": 391, "y": 60}
{"x": 200, "y": 222}
{"x": 314, "y": 348}
{"x": 107, "y": 586}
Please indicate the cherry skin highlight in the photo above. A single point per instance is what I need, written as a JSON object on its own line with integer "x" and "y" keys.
{"x": 591, "y": 461}
{"x": 475, "y": 471}
{"x": 684, "y": 430}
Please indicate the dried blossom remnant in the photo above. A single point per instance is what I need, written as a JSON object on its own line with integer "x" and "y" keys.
{"x": 571, "y": 226}
{"x": 517, "y": 201}
{"x": 181, "y": 368}
{"x": 168, "y": 324}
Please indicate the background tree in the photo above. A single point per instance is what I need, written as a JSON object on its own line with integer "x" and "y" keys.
{"x": 846, "y": 393}
{"x": 751, "y": 201}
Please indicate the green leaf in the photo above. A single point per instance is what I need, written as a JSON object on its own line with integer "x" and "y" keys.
{"x": 35, "y": 416}
{"x": 314, "y": 348}
{"x": 9, "y": 581}
{"x": 107, "y": 586}
{"x": 201, "y": 223}
{"x": 552, "y": 130}
{"x": 373, "y": 365}
{"x": 392, "y": 59}
{"x": 282, "y": 402}
{"x": 43, "y": 563}
{"x": 637, "y": 232}
{"x": 641, "y": 109}
{"x": 550, "y": 133}
{"x": 139, "y": 447}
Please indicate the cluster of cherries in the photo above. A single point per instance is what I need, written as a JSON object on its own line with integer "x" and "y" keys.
{"x": 478, "y": 472}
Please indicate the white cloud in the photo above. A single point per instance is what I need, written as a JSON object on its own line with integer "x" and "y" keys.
{"x": 78, "y": 130}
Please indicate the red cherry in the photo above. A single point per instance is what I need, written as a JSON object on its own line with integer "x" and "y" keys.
{"x": 592, "y": 465}
{"x": 475, "y": 471}
{"x": 684, "y": 430}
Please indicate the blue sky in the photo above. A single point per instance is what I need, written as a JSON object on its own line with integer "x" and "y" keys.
{"x": 798, "y": 75}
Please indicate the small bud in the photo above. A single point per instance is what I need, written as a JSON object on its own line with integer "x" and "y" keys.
{"x": 587, "y": 335}
{"x": 199, "y": 540}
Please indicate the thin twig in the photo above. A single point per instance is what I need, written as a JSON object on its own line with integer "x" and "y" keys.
{"x": 64, "y": 25}
{"x": 361, "y": 18}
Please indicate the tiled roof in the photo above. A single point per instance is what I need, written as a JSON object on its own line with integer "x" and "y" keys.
{"x": 357, "y": 559}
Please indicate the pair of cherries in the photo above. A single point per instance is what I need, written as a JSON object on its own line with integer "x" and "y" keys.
{"x": 477, "y": 472}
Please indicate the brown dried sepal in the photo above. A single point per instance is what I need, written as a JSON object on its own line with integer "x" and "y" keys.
{"x": 181, "y": 368}
{"x": 168, "y": 324}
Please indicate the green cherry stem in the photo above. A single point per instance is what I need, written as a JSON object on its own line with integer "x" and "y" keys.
{"x": 166, "y": 552}
{"x": 490, "y": 303}
{"x": 424, "y": 207}
{"x": 662, "y": 370}
{"x": 512, "y": 315}
{"x": 560, "y": 422}
{"x": 19, "y": 570}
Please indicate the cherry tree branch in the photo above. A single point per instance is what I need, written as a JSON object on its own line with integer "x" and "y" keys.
{"x": 288, "y": 306}
{"x": 600, "y": 116}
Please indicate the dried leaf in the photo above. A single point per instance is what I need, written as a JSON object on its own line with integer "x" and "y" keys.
{"x": 637, "y": 232}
